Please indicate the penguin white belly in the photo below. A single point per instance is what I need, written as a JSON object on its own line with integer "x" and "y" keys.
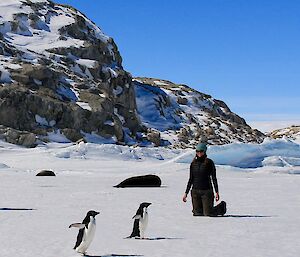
{"x": 143, "y": 223}
{"x": 88, "y": 236}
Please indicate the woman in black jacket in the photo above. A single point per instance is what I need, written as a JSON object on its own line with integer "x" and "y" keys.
{"x": 202, "y": 174}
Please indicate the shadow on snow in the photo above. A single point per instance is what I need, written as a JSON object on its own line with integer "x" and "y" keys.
{"x": 154, "y": 238}
{"x": 113, "y": 255}
{"x": 16, "y": 209}
{"x": 159, "y": 238}
{"x": 245, "y": 216}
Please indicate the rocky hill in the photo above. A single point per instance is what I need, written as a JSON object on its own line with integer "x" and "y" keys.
{"x": 59, "y": 71}
{"x": 60, "y": 75}
{"x": 184, "y": 116}
{"x": 292, "y": 133}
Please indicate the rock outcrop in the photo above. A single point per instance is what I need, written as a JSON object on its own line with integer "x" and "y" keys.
{"x": 292, "y": 132}
{"x": 18, "y": 137}
{"x": 183, "y": 116}
{"x": 60, "y": 72}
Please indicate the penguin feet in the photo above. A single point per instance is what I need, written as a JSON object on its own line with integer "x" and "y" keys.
{"x": 140, "y": 238}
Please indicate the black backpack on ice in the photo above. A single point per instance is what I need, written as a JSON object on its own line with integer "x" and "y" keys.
{"x": 220, "y": 209}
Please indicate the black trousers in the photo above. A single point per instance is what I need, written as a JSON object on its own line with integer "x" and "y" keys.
{"x": 203, "y": 201}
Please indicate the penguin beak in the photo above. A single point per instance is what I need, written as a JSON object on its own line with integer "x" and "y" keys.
{"x": 148, "y": 204}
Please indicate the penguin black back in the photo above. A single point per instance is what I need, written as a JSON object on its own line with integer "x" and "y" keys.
{"x": 136, "y": 229}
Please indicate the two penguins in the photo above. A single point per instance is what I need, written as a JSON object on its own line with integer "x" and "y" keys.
{"x": 87, "y": 227}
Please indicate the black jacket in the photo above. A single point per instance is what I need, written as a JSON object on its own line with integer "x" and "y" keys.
{"x": 202, "y": 171}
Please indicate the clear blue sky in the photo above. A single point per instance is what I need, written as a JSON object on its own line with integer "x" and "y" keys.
{"x": 244, "y": 52}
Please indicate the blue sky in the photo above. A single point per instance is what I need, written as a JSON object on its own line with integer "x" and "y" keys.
{"x": 246, "y": 53}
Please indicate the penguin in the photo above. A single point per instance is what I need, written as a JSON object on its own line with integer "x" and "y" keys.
{"x": 86, "y": 232}
{"x": 140, "y": 221}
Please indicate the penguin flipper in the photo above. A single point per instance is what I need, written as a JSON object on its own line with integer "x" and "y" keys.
{"x": 137, "y": 217}
{"x": 79, "y": 238}
{"x": 77, "y": 225}
{"x": 136, "y": 229}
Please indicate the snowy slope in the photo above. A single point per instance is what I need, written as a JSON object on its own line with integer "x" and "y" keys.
{"x": 185, "y": 116}
{"x": 262, "y": 213}
{"x": 39, "y": 31}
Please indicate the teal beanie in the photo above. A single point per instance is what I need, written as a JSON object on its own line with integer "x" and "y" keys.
{"x": 201, "y": 147}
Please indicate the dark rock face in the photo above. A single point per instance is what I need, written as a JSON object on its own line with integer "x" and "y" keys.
{"x": 72, "y": 134}
{"x": 18, "y": 137}
{"x": 141, "y": 181}
{"x": 75, "y": 83}
{"x": 46, "y": 173}
{"x": 154, "y": 137}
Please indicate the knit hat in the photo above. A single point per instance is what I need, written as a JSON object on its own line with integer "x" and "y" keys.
{"x": 201, "y": 147}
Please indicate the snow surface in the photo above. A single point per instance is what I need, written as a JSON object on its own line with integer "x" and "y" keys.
{"x": 67, "y": 92}
{"x": 160, "y": 83}
{"x": 147, "y": 99}
{"x": 87, "y": 62}
{"x": 43, "y": 121}
{"x": 262, "y": 219}
{"x": 58, "y": 137}
{"x": 84, "y": 105}
{"x": 4, "y": 76}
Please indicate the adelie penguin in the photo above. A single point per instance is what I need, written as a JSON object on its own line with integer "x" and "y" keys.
{"x": 140, "y": 221}
{"x": 86, "y": 232}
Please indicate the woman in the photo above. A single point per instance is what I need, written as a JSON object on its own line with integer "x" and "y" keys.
{"x": 202, "y": 171}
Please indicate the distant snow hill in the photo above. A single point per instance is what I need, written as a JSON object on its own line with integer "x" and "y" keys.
{"x": 62, "y": 79}
{"x": 292, "y": 133}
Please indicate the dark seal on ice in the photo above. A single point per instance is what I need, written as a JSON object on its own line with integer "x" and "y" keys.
{"x": 141, "y": 181}
{"x": 46, "y": 173}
